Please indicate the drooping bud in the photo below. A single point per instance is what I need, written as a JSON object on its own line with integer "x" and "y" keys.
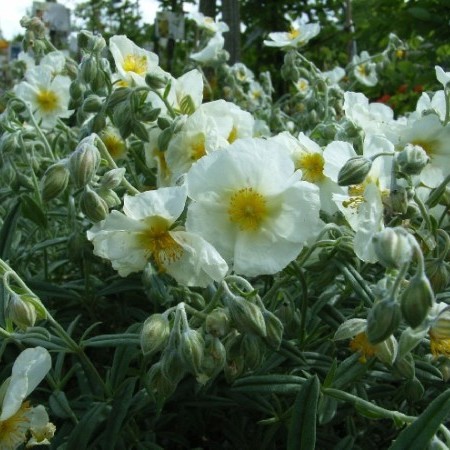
{"x": 110, "y": 197}
{"x": 354, "y": 171}
{"x": 412, "y": 159}
{"x": 393, "y": 247}
{"x": 191, "y": 349}
{"x": 159, "y": 384}
{"x": 274, "y": 328}
{"x": 217, "y": 322}
{"x": 93, "y": 205}
{"x": 383, "y": 320}
{"x": 112, "y": 178}
{"x": 22, "y": 313}
{"x": 155, "y": 334}
{"x": 155, "y": 81}
{"x": 55, "y": 180}
{"x": 84, "y": 161}
{"x": 88, "y": 69}
{"x": 437, "y": 271}
{"x": 173, "y": 367}
{"x": 416, "y": 300}
{"x": 214, "y": 358}
{"x": 92, "y": 103}
{"x": 252, "y": 350}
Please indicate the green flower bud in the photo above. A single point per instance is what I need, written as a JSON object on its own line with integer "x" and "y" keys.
{"x": 252, "y": 350}
{"x": 399, "y": 200}
{"x": 22, "y": 313}
{"x": 84, "y": 162}
{"x": 393, "y": 247}
{"x": 246, "y": 316}
{"x": 437, "y": 271}
{"x": 214, "y": 358}
{"x": 155, "y": 81}
{"x": 110, "y": 197}
{"x": 217, "y": 322}
{"x": 112, "y": 178}
{"x": 191, "y": 349}
{"x": 412, "y": 159}
{"x": 383, "y": 320}
{"x": 155, "y": 334}
{"x": 354, "y": 171}
{"x": 93, "y": 206}
{"x": 92, "y": 103}
{"x": 55, "y": 180}
{"x": 88, "y": 69}
{"x": 416, "y": 300}
{"x": 173, "y": 367}
{"x": 159, "y": 384}
{"x": 274, "y": 328}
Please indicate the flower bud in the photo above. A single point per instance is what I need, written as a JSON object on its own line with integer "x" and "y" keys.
{"x": 93, "y": 205}
{"x": 252, "y": 350}
{"x": 119, "y": 95}
{"x": 159, "y": 383}
{"x": 437, "y": 271}
{"x": 84, "y": 162}
{"x": 383, "y": 320}
{"x": 191, "y": 349}
{"x": 77, "y": 90}
{"x": 246, "y": 316}
{"x": 155, "y": 81}
{"x": 110, "y": 197}
{"x": 112, "y": 178}
{"x": 92, "y": 103}
{"x": 88, "y": 69}
{"x": 399, "y": 199}
{"x": 354, "y": 171}
{"x": 416, "y": 300}
{"x": 173, "y": 367}
{"x": 412, "y": 159}
{"x": 274, "y": 328}
{"x": 21, "y": 312}
{"x": 214, "y": 358}
{"x": 55, "y": 180}
{"x": 217, "y": 322}
{"x": 393, "y": 247}
{"x": 155, "y": 334}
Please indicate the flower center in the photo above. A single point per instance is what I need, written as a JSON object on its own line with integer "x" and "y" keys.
{"x": 47, "y": 100}
{"x": 439, "y": 346}
{"x": 311, "y": 165}
{"x": 198, "y": 146}
{"x": 360, "y": 343}
{"x": 362, "y": 70}
{"x": 13, "y": 430}
{"x": 247, "y": 209}
{"x": 233, "y": 135}
{"x": 114, "y": 144}
{"x": 136, "y": 64}
{"x": 293, "y": 33}
{"x": 159, "y": 244}
{"x": 428, "y": 146}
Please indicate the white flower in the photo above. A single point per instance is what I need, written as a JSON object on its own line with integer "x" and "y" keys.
{"x": 442, "y": 77}
{"x": 242, "y": 73}
{"x": 211, "y": 52}
{"x": 436, "y": 103}
{"x": 332, "y": 77}
{"x": 364, "y": 69}
{"x": 208, "y": 23}
{"x": 47, "y": 94}
{"x": 298, "y": 35}
{"x": 303, "y": 87}
{"x": 145, "y": 231}
{"x": 17, "y": 417}
{"x": 132, "y": 62}
{"x": 248, "y": 201}
{"x": 429, "y": 133}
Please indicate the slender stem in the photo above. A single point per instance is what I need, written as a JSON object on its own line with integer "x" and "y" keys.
{"x": 423, "y": 211}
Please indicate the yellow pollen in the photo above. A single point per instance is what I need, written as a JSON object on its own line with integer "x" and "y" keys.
{"x": 198, "y": 146}
{"x": 360, "y": 343}
{"x": 47, "y": 100}
{"x": 114, "y": 143}
{"x": 428, "y": 146}
{"x": 233, "y": 135}
{"x": 247, "y": 209}
{"x": 135, "y": 63}
{"x": 311, "y": 165}
{"x": 439, "y": 346}
{"x": 13, "y": 430}
{"x": 159, "y": 244}
{"x": 293, "y": 33}
{"x": 362, "y": 70}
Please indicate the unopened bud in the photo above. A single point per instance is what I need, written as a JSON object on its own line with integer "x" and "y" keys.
{"x": 393, "y": 247}
{"x": 159, "y": 384}
{"x": 93, "y": 205}
{"x": 399, "y": 199}
{"x": 173, "y": 367}
{"x": 22, "y": 313}
{"x": 191, "y": 349}
{"x": 155, "y": 81}
{"x": 84, "y": 162}
{"x": 217, "y": 322}
{"x": 55, "y": 180}
{"x": 274, "y": 328}
{"x": 252, "y": 350}
{"x": 383, "y": 320}
{"x": 112, "y": 178}
{"x": 214, "y": 357}
{"x": 155, "y": 334}
{"x": 416, "y": 300}
{"x": 110, "y": 197}
{"x": 92, "y": 103}
{"x": 437, "y": 271}
{"x": 412, "y": 159}
{"x": 354, "y": 171}
{"x": 77, "y": 90}
{"x": 246, "y": 316}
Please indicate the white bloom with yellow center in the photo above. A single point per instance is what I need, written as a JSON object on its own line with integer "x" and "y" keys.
{"x": 133, "y": 63}
{"x": 145, "y": 232}
{"x": 364, "y": 69}
{"x": 211, "y": 52}
{"x": 303, "y": 87}
{"x": 17, "y": 417}
{"x": 298, "y": 35}
{"x": 48, "y": 95}
{"x": 208, "y": 23}
{"x": 249, "y": 202}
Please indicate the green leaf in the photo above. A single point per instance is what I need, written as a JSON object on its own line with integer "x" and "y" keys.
{"x": 7, "y": 231}
{"x": 32, "y": 211}
{"x": 418, "y": 435}
{"x": 302, "y": 429}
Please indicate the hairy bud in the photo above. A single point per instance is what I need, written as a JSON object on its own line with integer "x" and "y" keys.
{"x": 354, "y": 171}
{"x": 155, "y": 334}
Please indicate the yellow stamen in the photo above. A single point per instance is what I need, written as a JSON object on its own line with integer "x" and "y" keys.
{"x": 439, "y": 346}
{"x": 247, "y": 209}
{"x": 311, "y": 165}
{"x": 362, "y": 70}
{"x": 157, "y": 241}
{"x": 360, "y": 343}
{"x": 47, "y": 100}
{"x": 114, "y": 143}
{"x": 13, "y": 430}
{"x": 233, "y": 135}
{"x": 198, "y": 146}
{"x": 293, "y": 33}
{"x": 135, "y": 63}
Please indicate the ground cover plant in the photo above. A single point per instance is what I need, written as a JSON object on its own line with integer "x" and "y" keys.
{"x": 193, "y": 262}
